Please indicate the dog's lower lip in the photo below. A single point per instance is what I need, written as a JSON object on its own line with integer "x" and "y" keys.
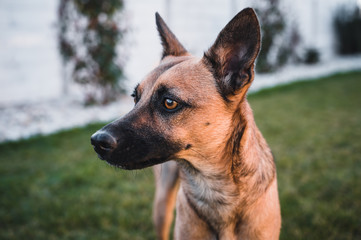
{"x": 130, "y": 165}
{"x": 97, "y": 150}
{"x": 117, "y": 165}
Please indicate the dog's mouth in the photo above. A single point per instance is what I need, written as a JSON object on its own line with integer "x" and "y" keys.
{"x": 134, "y": 165}
{"x": 133, "y": 153}
{"x": 122, "y": 145}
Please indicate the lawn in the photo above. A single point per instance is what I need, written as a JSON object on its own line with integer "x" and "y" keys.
{"x": 54, "y": 187}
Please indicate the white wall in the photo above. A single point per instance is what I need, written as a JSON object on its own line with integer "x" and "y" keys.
{"x": 314, "y": 19}
{"x": 196, "y": 23}
{"x": 204, "y": 19}
{"x": 30, "y": 67}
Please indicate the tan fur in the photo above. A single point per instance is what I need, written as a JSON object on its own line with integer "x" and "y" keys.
{"x": 228, "y": 184}
{"x": 249, "y": 188}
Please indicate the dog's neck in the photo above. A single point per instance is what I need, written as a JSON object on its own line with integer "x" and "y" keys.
{"x": 244, "y": 171}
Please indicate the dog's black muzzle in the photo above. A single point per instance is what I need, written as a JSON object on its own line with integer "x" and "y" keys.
{"x": 104, "y": 144}
{"x": 123, "y": 145}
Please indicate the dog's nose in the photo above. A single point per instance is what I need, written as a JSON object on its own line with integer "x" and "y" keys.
{"x": 103, "y": 142}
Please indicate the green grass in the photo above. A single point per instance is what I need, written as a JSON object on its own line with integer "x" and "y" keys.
{"x": 54, "y": 187}
{"x": 314, "y": 131}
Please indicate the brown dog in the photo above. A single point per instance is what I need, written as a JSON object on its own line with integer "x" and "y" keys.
{"x": 195, "y": 111}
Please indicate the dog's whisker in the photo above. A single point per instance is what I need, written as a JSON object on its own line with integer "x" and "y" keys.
{"x": 204, "y": 157}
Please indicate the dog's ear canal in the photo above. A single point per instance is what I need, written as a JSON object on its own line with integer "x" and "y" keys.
{"x": 171, "y": 45}
{"x": 232, "y": 56}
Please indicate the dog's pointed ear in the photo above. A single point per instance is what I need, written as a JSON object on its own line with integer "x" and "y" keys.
{"x": 171, "y": 45}
{"x": 232, "y": 56}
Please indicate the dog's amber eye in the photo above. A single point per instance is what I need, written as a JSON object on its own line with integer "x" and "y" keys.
{"x": 170, "y": 104}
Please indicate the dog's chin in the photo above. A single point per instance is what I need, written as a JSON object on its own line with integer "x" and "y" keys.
{"x": 134, "y": 164}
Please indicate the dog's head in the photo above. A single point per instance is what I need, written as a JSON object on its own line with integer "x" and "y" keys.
{"x": 184, "y": 107}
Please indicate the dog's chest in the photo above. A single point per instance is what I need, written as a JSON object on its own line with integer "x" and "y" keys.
{"x": 214, "y": 199}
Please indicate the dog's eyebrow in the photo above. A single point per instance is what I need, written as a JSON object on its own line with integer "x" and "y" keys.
{"x": 164, "y": 89}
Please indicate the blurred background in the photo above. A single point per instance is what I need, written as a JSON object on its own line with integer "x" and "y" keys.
{"x": 65, "y": 64}
{"x": 48, "y": 50}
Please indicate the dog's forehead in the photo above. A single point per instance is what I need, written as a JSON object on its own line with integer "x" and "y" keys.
{"x": 163, "y": 66}
{"x": 178, "y": 73}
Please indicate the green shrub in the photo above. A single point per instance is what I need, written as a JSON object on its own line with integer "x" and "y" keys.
{"x": 347, "y": 28}
{"x": 89, "y": 33}
{"x": 273, "y": 26}
{"x": 312, "y": 56}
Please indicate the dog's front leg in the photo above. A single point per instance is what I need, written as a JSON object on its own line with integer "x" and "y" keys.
{"x": 167, "y": 183}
